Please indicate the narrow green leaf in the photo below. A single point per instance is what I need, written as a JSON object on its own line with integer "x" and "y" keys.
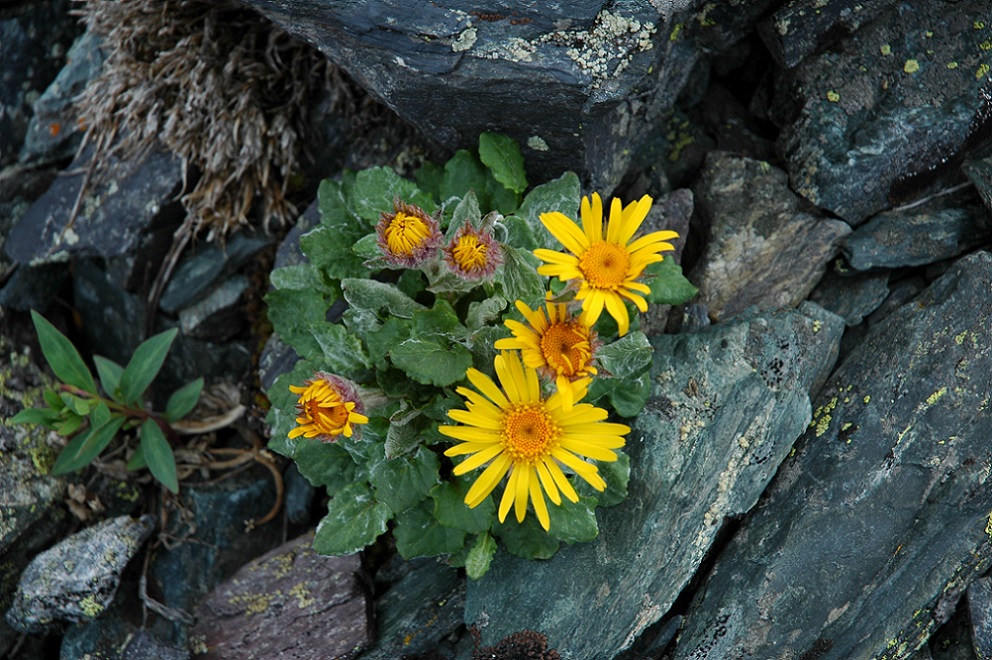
{"x": 430, "y": 362}
{"x": 76, "y": 404}
{"x": 480, "y": 556}
{"x": 70, "y": 425}
{"x": 137, "y": 460}
{"x": 158, "y": 454}
{"x": 502, "y": 155}
{"x": 32, "y": 416}
{"x": 418, "y": 534}
{"x": 110, "y": 376}
{"x": 84, "y": 448}
{"x": 62, "y": 356}
{"x": 183, "y": 400}
{"x": 145, "y": 364}
{"x": 53, "y": 399}
{"x": 668, "y": 285}
{"x": 354, "y": 520}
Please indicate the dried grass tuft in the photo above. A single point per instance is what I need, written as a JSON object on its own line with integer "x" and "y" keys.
{"x": 222, "y": 88}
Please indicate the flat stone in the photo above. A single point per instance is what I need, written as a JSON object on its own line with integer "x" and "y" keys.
{"x": 291, "y": 602}
{"x": 979, "y": 171}
{"x": 874, "y": 528}
{"x": 980, "y": 616}
{"x": 76, "y": 580}
{"x": 883, "y": 115}
{"x": 766, "y": 246}
{"x": 942, "y": 228}
{"x": 728, "y": 402}
{"x": 852, "y": 296}
{"x": 218, "y": 316}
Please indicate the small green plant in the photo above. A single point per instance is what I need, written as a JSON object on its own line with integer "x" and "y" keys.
{"x": 465, "y": 378}
{"x": 78, "y": 410}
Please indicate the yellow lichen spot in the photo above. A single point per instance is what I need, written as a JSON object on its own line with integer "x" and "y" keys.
{"x": 911, "y": 66}
{"x": 959, "y": 339}
{"x": 302, "y": 595}
{"x": 817, "y": 325}
{"x": 936, "y": 396}
{"x": 867, "y": 399}
{"x": 252, "y": 603}
{"x": 982, "y": 71}
{"x": 952, "y": 65}
{"x": 90, "y": 607}
{"x": 988, "y": 525}
{"x": 822, "y": 425}
{"x": 978, "y": 25}
{"x": 928, "y": 34}
{"x": 676, "y": 31}
{"x": 885, "y": 49}
{"x": 833, "y": 96}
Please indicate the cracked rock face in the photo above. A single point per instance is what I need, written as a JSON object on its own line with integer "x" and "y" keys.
{"x": 76, "y": 580}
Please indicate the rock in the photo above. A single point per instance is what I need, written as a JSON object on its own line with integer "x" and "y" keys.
{"x": 979, "y": 171}
{"x": 418, "y": 612}
{"x": 585, "y": 79}
{"x": 941, "y": 228}
{"x": 54, "y": 132}
{"x": 766, "y": 246}
{"x": 727, "y": 404}
{"x": 291, "y": 602}
{"x": 879, "y": 522}
{"x": 34, "y": 287}
{"x": 210, "y": 543}
{"x": 851, "y": 296}
{"x": 131, "y": 211}
{"x": 34, "y": 37}
{"x": 882, "y": 115}
{"x": 76, "y": 579}
{"x": 980, "y": 615}
{"x": 220, "y": 315}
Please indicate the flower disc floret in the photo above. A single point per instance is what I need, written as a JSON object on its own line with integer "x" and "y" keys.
{"x": 557, "y": 343}
{"x": 473, "y": 254}
{"x": 512, "y": 430}
{"x": 328, "y": 407}
{"x": 408, "y": 236}
{"x": 605, "y": 265}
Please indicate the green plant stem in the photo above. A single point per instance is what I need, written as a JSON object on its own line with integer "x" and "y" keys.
{"x": 137, "y": 414}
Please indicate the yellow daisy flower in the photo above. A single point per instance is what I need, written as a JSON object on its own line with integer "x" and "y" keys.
{"x": 473, "y": 254}
{"x": 328, "y": 407}
{"x": 408, "y": 236}
{"x": 514, "y": 430}
{"x": 605, "y": 267}
{"x": 555, "y": 342}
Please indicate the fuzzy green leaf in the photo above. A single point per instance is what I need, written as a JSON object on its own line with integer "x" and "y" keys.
{"x": 183, "y": 400}
{"x": 466, "y": 211}
{"x": 82, "y": 449}
{"x": 527, "y": 539}
{"x": 329, "y": 250}
{"x": 502, "y": 155}
{"x": 629, "y": 398}
{"x": 519, "y": 278}
{"x": 343, "y": 352}
{"x": 382, "y": 339}
{"x": 401, "y": 482}
{"x": 668, "y": 285}
{"x": 62, "y": 356}
{"x": 376, "y": 188}
{"x": 324, "y": 463}
{"x": 628, "y": 356}
{"x": 451, "y": 511}
{"x": 574, "y": 522}
{"x": 562, "y": 194}
{"x": 158, "y": 455}
{"x": 293, "y": 314}
{"x": 418, "y": 534}
{"x": 440, "y": 319}
{"x": 464, "y": 173}
{"x": 354, "y": 520}
{"x": 145, "y": 365}
{"x": 367, "y": 247}
{"x": 379, "y": 297}
{"x": 430, "y": 362}
{"x": 480, "y": 557}
{"x": 486, "y": 311}
{"x": 110, "y": 376}
{"x": 299, "y": 277}
{"x": 404, "y": 433}
{"x": 616, "y": 475}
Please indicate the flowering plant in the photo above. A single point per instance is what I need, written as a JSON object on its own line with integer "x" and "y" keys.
{"x": 439, "y": 365}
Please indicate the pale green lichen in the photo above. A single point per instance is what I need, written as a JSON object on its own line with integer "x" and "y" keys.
{"x": 302, "y": 595}
{"x": 537, "y": 143}
{"x": 833, "y": 96}
{"x": 253, "y": 603}
{"x": 91, "y": 607}
{"x": 885, "y": 49}
{"x": 982, "y": 71}
{"x": 911, "y": 66}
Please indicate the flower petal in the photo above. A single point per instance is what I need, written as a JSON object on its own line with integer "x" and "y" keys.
{"x": 566, "y": 231}
{"x": 487, "y": 481}
{"x": 480, "y": 459}
{"x": 592, "y": 218}
{"x": 540, "y": 506}
{"x": 485, "y": 384}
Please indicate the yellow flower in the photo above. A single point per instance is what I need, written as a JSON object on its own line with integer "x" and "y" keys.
{"x": 605, "y": 267}
{"x": 327, "y": 408}
{"x": 407, "y": 237}
{"x": 516, "y": 431}
{"x": 473, "y": 254}
{"x": 556, "y": 343}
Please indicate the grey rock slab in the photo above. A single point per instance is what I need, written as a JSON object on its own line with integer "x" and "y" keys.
{"x": 76, "y": 580}
{"x": 979, "y": 172}
{"x": 871, "y": 532}
{"x": 118, "y": 211}
{"x": 290, "y": 602}
{"x": 418, "y": 612}
{"x": 980, "y": 616}
{"x": 880, "y": 115}
{"x": 766, "y": 246}
{"x": 852, "y": 296}
{"x": 727, "y": 404}
{"x": 219, "y": 315}
{"x": 576, "y": 84}
{"x": 941, "y": 228}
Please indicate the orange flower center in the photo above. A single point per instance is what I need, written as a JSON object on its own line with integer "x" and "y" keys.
{"x": 327, "y": 419}
{"x": 405, "y": 233}
{"x": 566, "y": 347}
{"x": 529, "y": 432}
{"x": 605, "y": 265}
{"x": 470, "y": 253}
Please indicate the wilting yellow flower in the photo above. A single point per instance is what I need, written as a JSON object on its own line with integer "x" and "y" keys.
{"x": 407, "y": 237}
{"x": 327, "y": 408}
{"x": 605, "y": 267}
{"x": 516, "y": 431}
{"x": 555, "y": 342}
{"x": 473, "y": 254}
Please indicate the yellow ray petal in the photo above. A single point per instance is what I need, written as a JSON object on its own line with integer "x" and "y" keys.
{"x": 478, "y": 460}
{"x": 588, "y": 450}
{"x": 521, "y": 491}
{"x": 468, "y": 448}
{"x": 592, "y": 218}
{"x": 616, "y": 308}
{"x": 548, "y": 482}
{"x": 508, "y": 492}
{"x": 561, "y": 480}
{"x": 469, "y": 433}
{"x": 540, "y": 506}
{"x": 566, "y": 231}
{"x": 639, "y": 302}
{"x": 616, "y": 221}
{"x": 593, "y": 304}
{"x": 633, "y": 216}
{"x": 484, "y": 384}
{"x": 474, "y": 419}
{"x": 487, "y": 481}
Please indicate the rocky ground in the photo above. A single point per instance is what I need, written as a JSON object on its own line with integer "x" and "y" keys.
{"x": 810, "y": 477}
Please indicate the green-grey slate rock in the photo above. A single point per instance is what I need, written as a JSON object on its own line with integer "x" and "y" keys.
{"x": 76, "y": 580}
{"x": 877, "y": 117}
{"x": 766, "y": 245}
{"x": 852, "y": 296}
{"x": 872, "y": 531}
{"x": 727, "y": 404}
{"x": 941, "y": 228}
{"x": 980, "y": 616}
